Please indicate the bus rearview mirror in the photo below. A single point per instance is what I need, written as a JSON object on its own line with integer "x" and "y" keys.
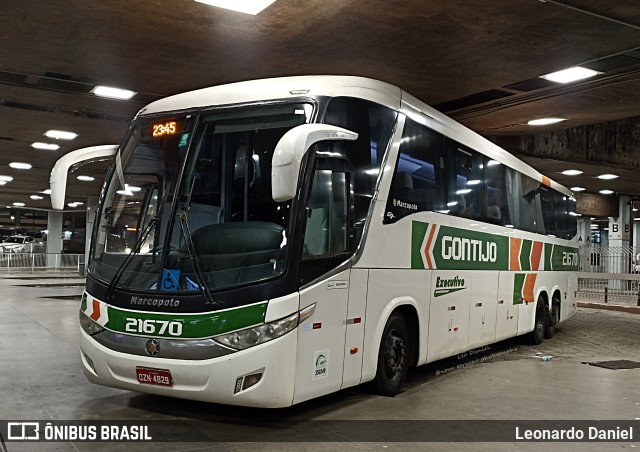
{"x": 290, "y": 150}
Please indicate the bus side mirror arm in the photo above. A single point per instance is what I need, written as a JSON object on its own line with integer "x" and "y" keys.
{"x": 291, "y": 149}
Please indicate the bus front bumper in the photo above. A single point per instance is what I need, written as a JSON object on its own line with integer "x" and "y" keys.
{"x": 218, "y": 380}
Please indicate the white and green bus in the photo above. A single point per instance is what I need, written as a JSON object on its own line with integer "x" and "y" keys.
{"x": 266, "y": 242}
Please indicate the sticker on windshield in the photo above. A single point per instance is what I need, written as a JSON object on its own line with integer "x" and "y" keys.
{"x": 170, "y": 279}
{"x": 191, "y": 284}
{"x": 184, "y": 140}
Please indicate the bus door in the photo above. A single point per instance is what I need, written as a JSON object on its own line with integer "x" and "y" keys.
{"x": 321, "y": 338}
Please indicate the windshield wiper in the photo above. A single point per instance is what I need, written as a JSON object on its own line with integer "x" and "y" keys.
{"x": 134, "y": 251}
{"x": 204, "y": 290}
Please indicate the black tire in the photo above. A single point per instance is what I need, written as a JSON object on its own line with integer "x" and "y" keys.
{"x": 393, "y": 356}
{"x": 537, "y": 335}
{"x": 552, "y": 317}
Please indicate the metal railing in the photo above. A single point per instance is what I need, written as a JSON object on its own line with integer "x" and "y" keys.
{"x": 42, "y": 261}
{"x": 609, "y": 274}
{"x": 609, "y": 259}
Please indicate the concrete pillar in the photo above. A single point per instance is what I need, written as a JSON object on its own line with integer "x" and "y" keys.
{"x": 619, "y": 235}
{"x": 54, "y": 238}
{"x": 92, "y": 204}
{"x": 584, "y": 243}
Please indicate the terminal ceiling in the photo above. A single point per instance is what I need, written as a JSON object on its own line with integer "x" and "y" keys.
{"x": 478, "y": 61}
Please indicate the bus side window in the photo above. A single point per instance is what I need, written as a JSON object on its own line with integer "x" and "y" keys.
{"x": 464, "y": 177}
{"x": 418, "y": 182}
{"x": 326, "y": 231}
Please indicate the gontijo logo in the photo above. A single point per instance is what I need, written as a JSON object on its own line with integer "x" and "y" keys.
{"x": 460, "y": 248}
{"x": 448, "y": 248}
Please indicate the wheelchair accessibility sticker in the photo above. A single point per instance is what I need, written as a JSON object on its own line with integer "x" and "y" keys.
{"x": 170, "y": 280}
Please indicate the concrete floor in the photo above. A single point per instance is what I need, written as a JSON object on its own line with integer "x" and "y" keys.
{"x": 41, "y": 379}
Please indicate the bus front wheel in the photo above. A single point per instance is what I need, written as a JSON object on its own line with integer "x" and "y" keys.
{"x": 393, "y": 356}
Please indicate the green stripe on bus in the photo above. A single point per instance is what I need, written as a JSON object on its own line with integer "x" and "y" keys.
{"x": 418, "y": 231}
{"x": 194, "y": 326}
{"x": 525, "y": 255}
{"x": 548, "y": 253}
{"x": 83, "y": 304}
{"x": 518, "y": 284}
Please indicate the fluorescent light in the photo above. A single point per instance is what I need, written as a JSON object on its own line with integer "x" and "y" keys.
{"x": 577, "y": 188}
{"x": 545, "y": 121}
{"x": 74, "y": 204}
{"x": 571, "y": 172}
{"x": 6, "y": 178}
{"x": 493, "y": 163}
{"x": 3, "y": 182}
{"x": 464, "y": 191}
{"x": 46, "y": 192}
{"x": 36, "y": 197}
{"x": 86, "y": 178}
{"x": 252, "y": 7}
{"x": 113, "y": 93}
{"x": 570, "y": 75}
{"x": 607, "y": 176}
{"x": 606, "y": 192}
{"x": 452, "y": 203}
{"x": 60, "y": 135}
{"x": 473, "y": 182}
{"x": 45, "y": 146}
{"x": 18, "y": 204}
{"x": 20, "y": 165}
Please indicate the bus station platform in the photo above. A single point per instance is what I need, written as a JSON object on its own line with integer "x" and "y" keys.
{"x": 42, "y": 379}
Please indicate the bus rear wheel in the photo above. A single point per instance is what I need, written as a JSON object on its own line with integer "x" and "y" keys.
{"x": 393, "y": 356}
{"x": 552, "y": 318}
{"x": 537, "y": 335}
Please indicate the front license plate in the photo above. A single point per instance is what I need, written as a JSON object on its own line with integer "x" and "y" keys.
{"x": 158, "y": 377}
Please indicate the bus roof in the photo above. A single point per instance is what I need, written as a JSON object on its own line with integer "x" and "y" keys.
{"x": 339, "y": 85}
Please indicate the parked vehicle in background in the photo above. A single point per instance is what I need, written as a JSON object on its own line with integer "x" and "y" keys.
{"x": 18, "y": 244}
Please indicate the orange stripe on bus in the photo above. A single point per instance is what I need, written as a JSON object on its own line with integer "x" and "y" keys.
{"x": 546, "y": 181}
{"x": 536, "y": 255}
{"x": 514, "y": 253}
{"x": 529, "y": 286}
{"x": 426, "y": 250}
{"x": 95, "y": 315}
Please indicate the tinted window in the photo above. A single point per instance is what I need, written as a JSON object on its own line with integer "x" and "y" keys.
{"x": 418, "y": 181}
{"x": 464, "y": 177}
{"x": 373, "y": 123}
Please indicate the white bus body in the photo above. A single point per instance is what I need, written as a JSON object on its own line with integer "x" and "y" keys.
{"x": 450, "y": 244}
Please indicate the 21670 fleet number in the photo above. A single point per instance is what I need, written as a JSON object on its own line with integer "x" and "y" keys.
{"x": 149, "y": 326}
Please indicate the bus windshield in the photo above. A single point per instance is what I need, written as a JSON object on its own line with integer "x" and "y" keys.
{"x": 218, "y": 227}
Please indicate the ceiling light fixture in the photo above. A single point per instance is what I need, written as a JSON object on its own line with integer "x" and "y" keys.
{"x": 45, "y": 146}
{"x": 570, "y": 75}
{"x": 577, "y": 189}
{"x": 86, "y": 178}
{"x": 46, "y": 192}
{"x": 20, "y": 165}
{"x": 18, "y": 204}
{"x": 113, "y": 93}
{"x": 6, "y": 178}
{"x": 572, "y": 172}
{"x": 36, "y": 197}
{"x": 606, "y": 192}
{"x": 252, "y": 7}
{"x": 545, "y": 121}
{"x": 607, "y": 176}
{"x": 60, "y": 135}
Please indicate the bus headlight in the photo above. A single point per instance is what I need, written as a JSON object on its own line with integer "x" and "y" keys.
{"x": 240, "y": 340}
{"x": 88, "y": 325}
